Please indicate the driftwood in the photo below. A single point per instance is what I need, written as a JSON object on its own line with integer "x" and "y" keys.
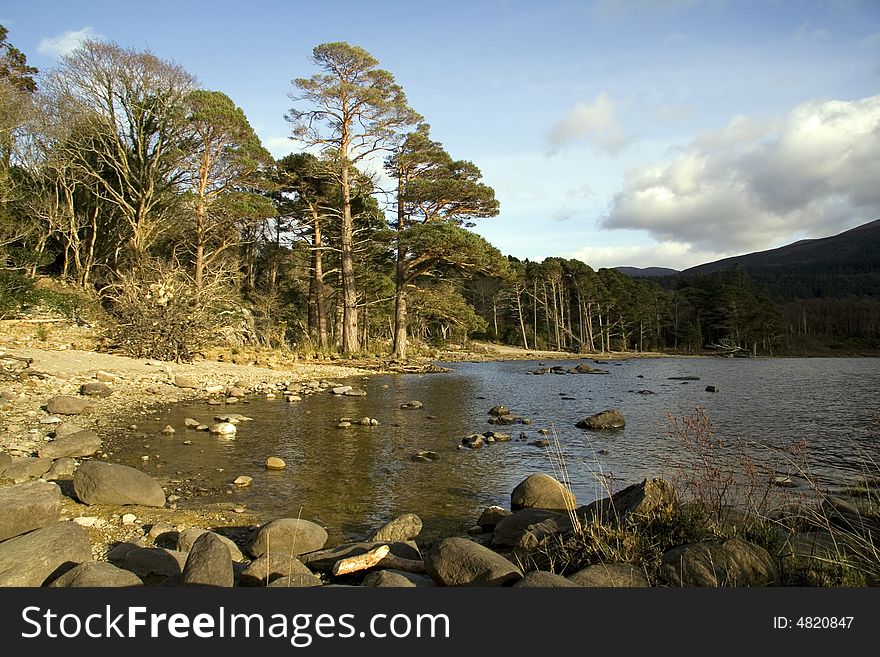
{"x": 380, "y": 556}
{"x": 361, "y": 561}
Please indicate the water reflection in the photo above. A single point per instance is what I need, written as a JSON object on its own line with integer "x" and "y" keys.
{"x": 354, "y": 479}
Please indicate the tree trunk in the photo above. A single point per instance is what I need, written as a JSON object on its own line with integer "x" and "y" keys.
{"x": 349, "y": 287}
{"x": 522, "y": 324}
{"x": 399, "y": 350}
{"x": 318, "y": 278}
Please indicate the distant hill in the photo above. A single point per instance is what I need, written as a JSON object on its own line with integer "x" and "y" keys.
{"x": 647, "y": 272}
{"x": 843, "y": 265}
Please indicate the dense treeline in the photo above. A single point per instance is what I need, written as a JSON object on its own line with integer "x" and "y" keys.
{"x": 124, "y": 179}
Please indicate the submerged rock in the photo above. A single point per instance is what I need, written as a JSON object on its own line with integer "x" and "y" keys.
{"x": 604, "y": 420}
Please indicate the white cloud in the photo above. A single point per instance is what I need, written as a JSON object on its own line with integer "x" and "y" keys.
{"x": 593, "y": 122}
{"x": 65, "y": 43}
{"x": 675, "y": 255}
{"x": 752, "y": 184}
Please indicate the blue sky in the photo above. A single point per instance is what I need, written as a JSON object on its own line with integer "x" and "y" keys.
{"x": 621, "y": 132}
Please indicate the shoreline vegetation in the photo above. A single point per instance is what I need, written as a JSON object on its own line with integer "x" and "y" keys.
{"x": 699, "y": 526}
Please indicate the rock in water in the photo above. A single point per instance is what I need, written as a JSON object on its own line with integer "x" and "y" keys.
{"x": 28, "y": 506}
{"x": 541, "y": 491}
{"x": 275, "y": 463}
{"x": 402, "y": 528}
{"x": 223, "y": 429}
{"x": 81, "y": 443}
{"x": 31, "y": 559}
{"x": 607, "y": 419}
{"x": 110, "y": 483}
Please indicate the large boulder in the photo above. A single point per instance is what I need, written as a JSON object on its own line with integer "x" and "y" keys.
{"x": 67, "y": 405}
{"x": 491, "y": 516}
{"x": 647, "y": 499}
{"x": 387, "y": 579}
{"x": 208, "y": 563}
{"x": 187, "y": 538}
{"x": 604, "y": 420}
{"x": 541, "y": 491}
{"x": 731, "y": 563}
{"x": 269, "y": 567}
{"x": 544, "y": 579}
{"x": 22, "y": 468}
{"x": 608, "y": 575}
{"x": 81, "y": 443}
{"x": 150, "y": 563}
{"x": 295, "y": 581}
{"x": 28, "y": 506}
{"x": 93, "y": 574}
{"x": 402, "y": 528}
{"x": 459, "y": 562}
{"x": 509, "y": 529}
{"x": 292, "y": 536}
{"x": 43, "y": 554}
{"x": 110, "y": 483}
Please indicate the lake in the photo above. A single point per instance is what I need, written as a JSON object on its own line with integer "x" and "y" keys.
{"x": 353, "y": 480}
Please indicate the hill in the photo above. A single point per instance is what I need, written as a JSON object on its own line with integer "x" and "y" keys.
{"x": 843, "y": 265}
{"x": 647, "y": 272}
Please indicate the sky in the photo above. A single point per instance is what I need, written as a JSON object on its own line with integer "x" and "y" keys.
{"x": 620, "y": 132}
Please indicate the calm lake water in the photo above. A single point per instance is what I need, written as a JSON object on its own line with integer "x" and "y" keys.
{"x": 353, "y": 480}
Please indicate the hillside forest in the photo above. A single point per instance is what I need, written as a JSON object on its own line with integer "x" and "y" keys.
{"x": 128, "y": 191}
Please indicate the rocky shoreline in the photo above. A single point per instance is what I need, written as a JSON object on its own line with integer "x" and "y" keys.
{"x": 68, "y": 517}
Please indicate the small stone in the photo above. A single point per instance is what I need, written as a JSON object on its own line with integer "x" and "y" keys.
{"x": 243, "y": 481}
{"x": 190, "y": 423}
{"x": 52, "y": 419}
{"x": 185, "y": 382}
{"x": 129, "y": 519}
{"x": 275, "y": 463}
{"x": 95, "y": 390}
{"x": 223, "y": 429}
{"x": 86, "y": 521}
{"x": 169, "y": 429}
{"x": 343, "y": 425}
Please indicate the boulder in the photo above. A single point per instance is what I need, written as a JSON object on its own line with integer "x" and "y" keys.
{"x": 402, "y": 528}
{"x": 185, "y": 382}
{"x": 608, "y": 575}
{"x": 81, "y": 443}
{"x": 95, "y": 390}
{"x": 474, "y": 441}
{"x": 604, "y": 420}
{"x": 110, "y": 483}
{"x": 541, "y": 491}
{"x": 387, "y": 579}
{"x": 208, "y": 563}
{"x": 324, "y": 560}
{"x": 509, "y": 529}
{"x": 497, "y": 411}
{"x": 268, "y": 567}
{"x": 28, "y": 506}
{"x": 67, "y": 405}
{"x": 414, "y": 403}
{"x": 61, "y": 469}
{"x": 651, "y": 497}
{"x": 733, "y": 562}
{"x": 66, "y": 428}
{"x": 295, "y": 581}
{"x": 292, "y": 536}
{"x": 43, "y": 554}
{"x": 544, "y": 579}
{"x": 26, "y": 467}
{"x": 94, "y": 574}
{"x": 583, "y": 368}
{"x": 459, "y": 562}
{"x": 491, "y": 516}
{"x": 150, "y": 562}
{"x": 187, "y": 538}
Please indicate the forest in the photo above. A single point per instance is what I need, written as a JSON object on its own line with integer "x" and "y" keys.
{"x": 128, "y": 190}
